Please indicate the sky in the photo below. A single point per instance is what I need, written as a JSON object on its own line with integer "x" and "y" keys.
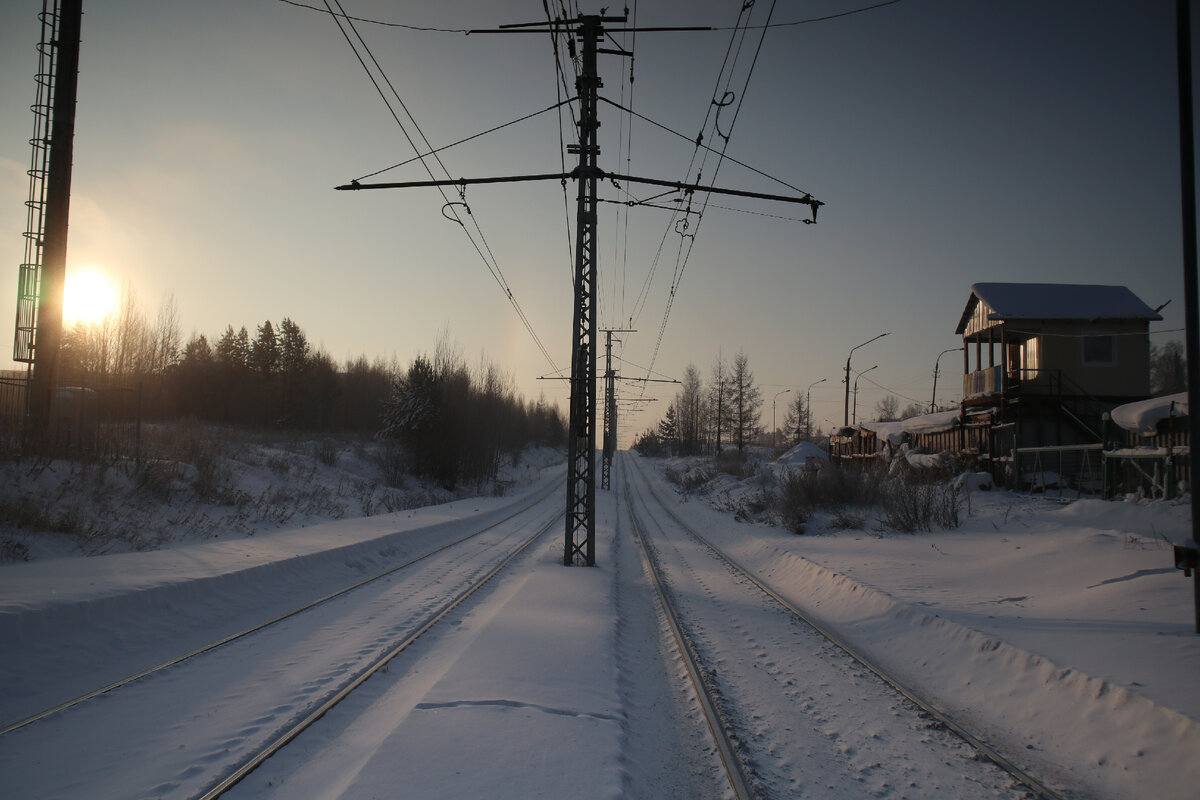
{"x": 951, "y": 143}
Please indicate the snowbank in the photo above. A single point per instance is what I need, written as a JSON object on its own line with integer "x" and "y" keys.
{"x": 803, "y": 455}
{"x": 1063, "y": 631}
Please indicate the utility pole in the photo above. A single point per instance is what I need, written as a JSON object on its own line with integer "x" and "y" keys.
{"x": 580, "y": 542}
{"x": 610, "y": 408}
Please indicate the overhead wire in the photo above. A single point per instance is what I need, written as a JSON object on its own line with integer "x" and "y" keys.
{"x": 561, "y": 87}
{"x": 341, "y": 13}
{"x": 889, "y": 390}
{"x": 484, "y": 250}
{"x": 718, "y": 102}
{"x": 627, "y": 144}
{"x": 703, "y": 146}
{"x": 445, "y": 147}
{"x": 466, "y": 31}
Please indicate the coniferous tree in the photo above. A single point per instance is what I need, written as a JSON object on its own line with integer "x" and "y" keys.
{"x": 797, "y": 422}
{"x": 264, "y": 353}
{"x": 668, "y": 429}
{"x": 747, "y": 402}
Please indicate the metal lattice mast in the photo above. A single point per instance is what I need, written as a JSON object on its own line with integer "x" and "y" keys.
{"x": 580, "y": 543}
{"x": 39, "y": 295}
{"x": 610, "y": 416}
{"x": 610, "y": 408}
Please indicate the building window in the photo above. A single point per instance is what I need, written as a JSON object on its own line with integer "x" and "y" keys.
{"x": 1031, "y": 358}
{"x": 1099, "y": 350}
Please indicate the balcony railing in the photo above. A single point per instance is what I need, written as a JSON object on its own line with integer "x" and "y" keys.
{"x": 984, "y": 382}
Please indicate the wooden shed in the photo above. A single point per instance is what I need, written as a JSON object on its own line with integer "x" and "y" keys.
{"x": 1055, "y": 357}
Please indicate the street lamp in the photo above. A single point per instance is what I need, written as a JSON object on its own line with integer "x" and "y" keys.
{"x": 808, "y": 410}
{"x": 774, "y": 430}
{"x": 846, "y": 411}
{"x": 856, "y": 377}
{"x": 933, "y": 400}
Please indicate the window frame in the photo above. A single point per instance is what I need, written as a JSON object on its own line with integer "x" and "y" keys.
{"x": 1094, "y": 336}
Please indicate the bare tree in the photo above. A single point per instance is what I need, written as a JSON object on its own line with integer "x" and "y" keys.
{"x": 132, "y": 349}
{"x": 167, "y": 336}
{"x": 689, "y": 411}
{"x": 1168, "y": 369}
{"x": 888, "y": 409}
{"x": 719, "y": 402}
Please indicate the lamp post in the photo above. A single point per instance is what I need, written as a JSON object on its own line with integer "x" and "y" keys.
{"x": 846, "y": 410}
{"x": 856, "y": 377}
{"x": 933, "y": 400}
{"x": 808, "y": 410}
{"x": 774, "y": 430}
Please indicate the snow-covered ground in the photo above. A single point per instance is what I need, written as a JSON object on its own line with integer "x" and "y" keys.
{"x": 205, "y": 483}
{"x": 1065, "y": 621}
{"x": 1058, "y": 628}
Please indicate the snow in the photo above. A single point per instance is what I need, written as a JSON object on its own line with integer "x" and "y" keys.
{"x": 1044, "y": 301}
{"x": 926, "y": 423}
{"x": 1061, "y": 631}
{"x": 1143, "y": 416}
{"x": 803, "y": 455}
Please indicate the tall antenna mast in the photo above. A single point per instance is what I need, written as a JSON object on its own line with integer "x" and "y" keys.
{"x": 40, "y": 283}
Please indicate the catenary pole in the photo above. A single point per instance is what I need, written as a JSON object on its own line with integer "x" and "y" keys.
{"x": 580, "y": 545}
{"x": 1188, "y": 558}
{"x": 610, "y": 408}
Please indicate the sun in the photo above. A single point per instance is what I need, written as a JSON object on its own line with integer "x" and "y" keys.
{"x": 88, "y": 297}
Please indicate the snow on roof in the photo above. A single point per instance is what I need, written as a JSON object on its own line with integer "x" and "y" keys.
{"x": 926, "y": 423}
{"x": 1057, "y": 301}
{"x": 799, "y": 455}
{"x": 1144, "y": 415}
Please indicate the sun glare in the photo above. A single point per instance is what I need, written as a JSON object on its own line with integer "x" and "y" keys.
{"x": 88, "y": 297}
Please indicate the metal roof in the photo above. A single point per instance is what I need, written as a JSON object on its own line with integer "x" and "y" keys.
{"x": 1056, "y": 301}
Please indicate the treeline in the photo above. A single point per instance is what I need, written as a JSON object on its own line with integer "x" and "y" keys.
{"x": 274, "y": 377}
{"x": 708, "y": 415}
{"x": 455, "y": 424}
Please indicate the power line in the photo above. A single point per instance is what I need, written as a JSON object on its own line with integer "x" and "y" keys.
{"x": 825, "y": 18}
{"x": 342, "y": 14}
{"x": 560, "y": 88}
{"x": 567, "y": 15}
{"x": 445, "y": 147}
{"x": 489, "y": 258}
{"x": 703, "y": 146}
{"x": 890, "y": 391}
{"x": 718, "y": 103}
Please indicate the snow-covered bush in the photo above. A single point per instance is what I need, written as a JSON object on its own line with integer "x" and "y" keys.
{"x": 911, "y": 506}
{"x": 804, "y": 491}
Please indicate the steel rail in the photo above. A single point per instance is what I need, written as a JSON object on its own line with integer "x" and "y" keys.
{"x": 919, "y": 700}
{"x": 359, "y": 679}
{"x": 735, "y": 770}
{"x": 261, "y": 626}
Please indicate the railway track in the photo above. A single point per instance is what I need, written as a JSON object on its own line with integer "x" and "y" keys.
{"x": 228, "y": 684}
{"x": 686, "y": 570}
{"x": 117, "y": 684}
